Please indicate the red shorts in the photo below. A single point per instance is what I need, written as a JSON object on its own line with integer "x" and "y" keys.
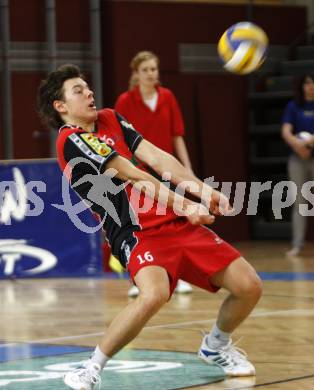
{"x": 188, "y": 252}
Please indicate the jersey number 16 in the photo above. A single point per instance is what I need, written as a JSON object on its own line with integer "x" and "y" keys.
{"x": 146, "y": 257}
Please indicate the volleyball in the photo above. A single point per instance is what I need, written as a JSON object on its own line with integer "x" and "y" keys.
{"x": 243, "y": 47}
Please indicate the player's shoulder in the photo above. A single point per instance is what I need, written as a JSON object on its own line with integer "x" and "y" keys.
{"x": 292, "y": 105}
{"x": 109, "y": 118}
{"x": 106, "y": 116}
{"x": 165, "y": 91}
{"x": 105, "y": 113}
{"x": 125, "y": 97}
{"x": 65, "y": 134}
{"x": 166, "y": 95}
{"x": 126, "y": 94}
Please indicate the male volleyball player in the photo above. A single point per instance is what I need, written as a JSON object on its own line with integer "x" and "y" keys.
{"x": 159, "y": 246}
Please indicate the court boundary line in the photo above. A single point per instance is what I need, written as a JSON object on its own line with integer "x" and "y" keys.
{"x": 293, "y": 379}
{"x": 172, "y": 325}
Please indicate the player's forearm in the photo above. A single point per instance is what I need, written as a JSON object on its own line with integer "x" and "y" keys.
{"x": 287, "y": 135}
{"x": 144, "y": 182}
{"x": 157, "y": 190}
{"x": 184, "y": 178}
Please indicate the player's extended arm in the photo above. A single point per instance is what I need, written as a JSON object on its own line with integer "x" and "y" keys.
{"x": 144, "y": 182}
{"x": 163, "y": 162}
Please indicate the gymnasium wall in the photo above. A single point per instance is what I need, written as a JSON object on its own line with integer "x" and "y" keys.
{"x": 27, "y": 22}
{"x": 29, "y": 63}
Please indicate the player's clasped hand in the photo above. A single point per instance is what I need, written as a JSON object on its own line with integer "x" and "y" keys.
{"x": 219, "y": 204}
{"x": 200, "y": 216}
{"x": 301, "y": 148}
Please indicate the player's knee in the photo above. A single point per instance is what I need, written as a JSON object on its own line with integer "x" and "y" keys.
{"x": 251, "y": 287}
{"x": 257, "y": 287}
{"x": 155, "y": 298}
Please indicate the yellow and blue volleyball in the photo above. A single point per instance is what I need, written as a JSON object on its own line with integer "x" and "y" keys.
{"x": 243, "y": 47}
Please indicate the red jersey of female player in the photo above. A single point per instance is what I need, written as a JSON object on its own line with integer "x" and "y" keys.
{"x": 83, "y": 156}
{"x": 158, "y": 126}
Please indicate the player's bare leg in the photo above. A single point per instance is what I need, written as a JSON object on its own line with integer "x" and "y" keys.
{"x": 245, "y": 289}
{"x": 153, "y": 283}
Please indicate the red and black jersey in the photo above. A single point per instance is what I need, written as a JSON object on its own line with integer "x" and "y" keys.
{"x": 83, "y": 156}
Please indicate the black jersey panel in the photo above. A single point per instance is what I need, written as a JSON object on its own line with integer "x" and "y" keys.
{"x": 85, "y": 146}
{"x": 131, "y": 136}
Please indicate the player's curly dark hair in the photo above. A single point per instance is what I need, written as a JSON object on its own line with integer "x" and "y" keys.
{"x": 51, "y": 89}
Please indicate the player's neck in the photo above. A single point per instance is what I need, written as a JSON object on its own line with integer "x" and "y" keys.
{"x": 147, "y": 92}
{"x": 90, "y": 127}
{"x": 309, "y": 98}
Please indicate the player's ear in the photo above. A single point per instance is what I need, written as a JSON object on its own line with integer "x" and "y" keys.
{"x": 59, "y": 106}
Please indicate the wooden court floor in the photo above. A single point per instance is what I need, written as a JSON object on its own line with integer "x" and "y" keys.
{"x": 278, "y": 336}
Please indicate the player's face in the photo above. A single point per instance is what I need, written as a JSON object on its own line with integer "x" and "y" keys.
{"x": 78, "y": 104}
{"x": 148, "y": 73}
{"x": 308, "y": 88}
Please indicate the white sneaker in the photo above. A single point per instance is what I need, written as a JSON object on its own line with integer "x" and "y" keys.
{"x": 230, "y": 358}
{"x": 133, "y": 291}
{"x": 295, "y": 251}
{"x": 84, "y": 378}
{"x": 183, "y": 287}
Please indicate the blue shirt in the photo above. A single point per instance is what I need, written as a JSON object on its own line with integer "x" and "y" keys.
{"x": 301, "y": 118}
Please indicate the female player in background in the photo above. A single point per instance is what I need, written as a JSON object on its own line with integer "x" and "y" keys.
{"x": 154, "y": 112}
{"x": 298, "y": 133}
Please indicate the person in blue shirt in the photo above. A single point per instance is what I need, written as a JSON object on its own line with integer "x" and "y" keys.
{"x": 298, "y": 133}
